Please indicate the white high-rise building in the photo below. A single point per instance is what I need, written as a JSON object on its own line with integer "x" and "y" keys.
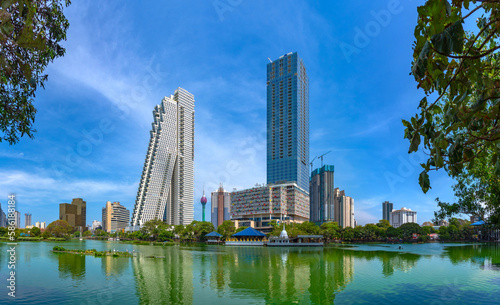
{"x": 400, "y": 217}
{"x": 166, "y": 190}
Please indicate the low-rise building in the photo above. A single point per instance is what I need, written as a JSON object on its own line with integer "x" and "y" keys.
{"x": 257, "y": 207}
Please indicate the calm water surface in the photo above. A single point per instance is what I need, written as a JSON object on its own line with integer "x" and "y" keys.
{"x": 200, "y": 274}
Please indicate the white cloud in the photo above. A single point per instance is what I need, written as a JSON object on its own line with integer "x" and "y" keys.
{"x": 38, "y": 190}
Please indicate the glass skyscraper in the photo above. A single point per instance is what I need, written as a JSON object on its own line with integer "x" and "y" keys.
{"x": 166, "y": 190}
{"x": 288, "y": 121}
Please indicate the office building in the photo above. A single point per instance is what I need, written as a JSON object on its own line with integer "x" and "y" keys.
{"x": 400, "y": 217}
{"x": 387, "y": 208}
{"x": 27, "y": 220}
{"x": 344, "y": 209}
{"x": 288, "y": 122}
{"x": 321, "y": 195}
{"x": 37, "y": 224}
{"x": 257, "y": 207}
{"x": 75, "y": 213}
{"x": 166, "y": 189}
{"x": 221, "y": 206}
{"x": 115, "y": 217}
{"x": 17, "y": 219}
{"x": 42, "y": 225}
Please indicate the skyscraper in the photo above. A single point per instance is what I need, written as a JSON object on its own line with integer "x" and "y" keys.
{"x": 344, "y": 209}
{"x": 27, "y": 220}
{"x": 166, "y": 190}
{"x": 288, "y": 121}
{"x": 321, "y": 195}
{"x": 115, "y": 217}
{"x": 221, "y": 203}
{"x": 387, "y": 208}
{"x": 17, "y": 219}
{"x": 75, "y": 213}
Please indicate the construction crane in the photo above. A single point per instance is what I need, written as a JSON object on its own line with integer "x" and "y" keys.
{"x": 322, "y": 157}
{"x": 311, "y": 163}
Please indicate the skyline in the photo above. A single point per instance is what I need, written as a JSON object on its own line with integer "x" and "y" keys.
{"x": 118, "y": 66}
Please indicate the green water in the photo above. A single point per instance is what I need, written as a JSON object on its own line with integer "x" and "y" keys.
{"x": 200, "y": 274}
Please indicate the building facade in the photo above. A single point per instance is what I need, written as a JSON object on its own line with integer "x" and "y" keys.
{"x": 27, "y": 220}
{"x": 288, "y": 122}
{"x": 3, "y": 217}
{"x": 166, "y": 189}
{"x": 258, "y": 206}
{"x": 321, "y": 195}
{"x": 387, "y": 208}
{"x": 344, "y": 209}
{"x": 115, "y": 217}
{"x": 75, "y": 213}
{"x": 221, "y": 206}
{"x": 17, "y": 219}
{"x": 400, "y": 217}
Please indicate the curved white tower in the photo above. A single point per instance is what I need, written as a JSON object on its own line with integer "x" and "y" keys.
{"x": 166, "y": 190}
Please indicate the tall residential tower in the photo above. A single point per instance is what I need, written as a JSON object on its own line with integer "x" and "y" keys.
{"x": 166, "y": 190}
{"x": 387, "y": 208}
{"x": 221, "y": 206}
{"x": 321, "y": 195}
{"x": 288, "y": 121}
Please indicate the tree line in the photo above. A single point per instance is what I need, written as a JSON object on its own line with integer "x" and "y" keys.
{"x": 159, "y": 231}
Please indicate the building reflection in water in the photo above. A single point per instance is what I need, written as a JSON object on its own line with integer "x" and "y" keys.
{"x": 114, "y": 266}
{"x": 275, "y": 274}
{"x": 71, "y": 265}
{"x": 166, "y": 280}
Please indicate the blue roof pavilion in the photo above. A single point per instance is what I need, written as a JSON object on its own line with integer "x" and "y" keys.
{"x": 249, "y": 232}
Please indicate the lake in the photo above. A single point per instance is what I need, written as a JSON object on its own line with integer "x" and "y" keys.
{"x": 433, "y": 273}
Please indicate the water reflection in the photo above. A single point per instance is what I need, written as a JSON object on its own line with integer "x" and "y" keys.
{"x": 280, "y": 275}
{"x": 484, "y": 256}
{"x": 205, "y": 274}
{"x": 71, "y": 265}
{"x": 166, "y": 280}
{"x": 114, "y": 266}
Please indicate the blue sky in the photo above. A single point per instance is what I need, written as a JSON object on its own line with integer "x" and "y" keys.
{"x": 123, "y": 57}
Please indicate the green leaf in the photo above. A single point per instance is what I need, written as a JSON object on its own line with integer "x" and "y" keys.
{"x": 415, "y": 142}
{"x": 450, "y": 40}
{"x": 423, "y": 103}
{"x": 448, "y": 7}
{"x": 420, "y": 65}
{"x": 423, "y": 180}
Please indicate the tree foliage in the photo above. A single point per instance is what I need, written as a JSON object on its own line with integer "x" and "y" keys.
{"x": 59, "y": 228}
{"x": 459, "y": 119}
{"x": 35, "y": 231}
{"x": 477, "y": 192}
{"x": 226, "y": 229}
{"x": 30, "y": 36}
